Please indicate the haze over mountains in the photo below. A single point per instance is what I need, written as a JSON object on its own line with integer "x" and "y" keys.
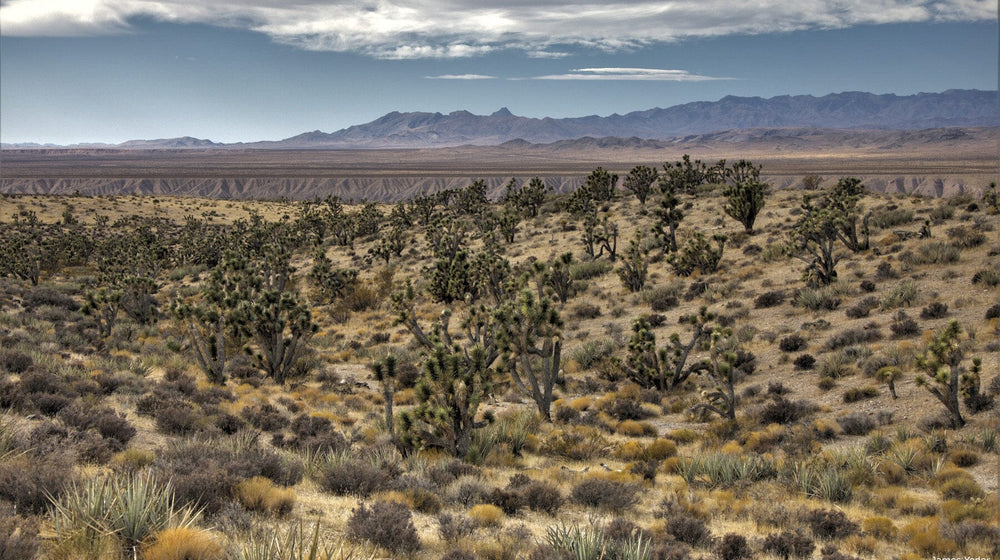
{"x": 849, "y": 110}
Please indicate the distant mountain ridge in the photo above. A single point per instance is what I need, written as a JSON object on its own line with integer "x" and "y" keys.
{"x": 848, "y": 110}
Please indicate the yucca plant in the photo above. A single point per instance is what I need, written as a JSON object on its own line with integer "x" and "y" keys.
{"x": 297, "y": 544}
{"x": 832, "y": 485}
{"x": 141, "y": 507}
{"x": 581, "y": 543}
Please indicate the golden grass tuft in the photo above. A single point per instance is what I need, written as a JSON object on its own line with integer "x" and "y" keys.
{"x": 260, "y": 494}
{"x": 880, "y": 527}
{"x": 182, "y": 543}
{"x": 924, "y": 536}
{"x": 486, "y": 515}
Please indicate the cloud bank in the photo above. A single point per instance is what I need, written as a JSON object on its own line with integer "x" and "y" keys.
{"x": 409, "y": 29}
{"x": 629, "y": 74}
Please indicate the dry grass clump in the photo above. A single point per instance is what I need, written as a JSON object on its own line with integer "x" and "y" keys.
{"x": 260, "y": 494}
{"x": 486, "y": 515}
{"x": 183, "y": 543}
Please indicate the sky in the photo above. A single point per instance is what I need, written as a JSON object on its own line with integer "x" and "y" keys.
{"x": 74, "y": 71}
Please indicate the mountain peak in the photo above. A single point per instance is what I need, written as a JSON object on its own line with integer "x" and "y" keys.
{"x": 502, "y": 112}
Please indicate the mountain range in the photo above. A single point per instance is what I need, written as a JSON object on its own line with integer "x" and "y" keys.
{"x": 848, "y": 110}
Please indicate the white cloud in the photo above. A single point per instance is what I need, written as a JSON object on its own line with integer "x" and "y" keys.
{"x": 461, "y": 77}
{"x": 463, "y": 28}
{"x": 628, "y": 74}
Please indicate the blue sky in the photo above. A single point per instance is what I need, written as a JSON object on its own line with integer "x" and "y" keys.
{"x": 244, "y": 70}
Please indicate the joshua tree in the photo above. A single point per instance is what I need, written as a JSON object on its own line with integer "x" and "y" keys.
{"x": 453, "y": 384}
{"x": 640, "y": 181}
{"x": 698, "y": 254}
{"x": 723, "y": 374}
{"x": 385, "y": 373}
{"x": 890, "y": 375}
{"x": 208, "y": 319}
{"x": 668, "y": 214}
{"x": 528, "y": 330}
{"x": 814, "y": 239}
{"x": 744, "y": 193}
{"x": 941, "y": 361}
{"x": 527, "y": 198}
{"x": 634, "y": 267}
{"x": 667, "y": 367}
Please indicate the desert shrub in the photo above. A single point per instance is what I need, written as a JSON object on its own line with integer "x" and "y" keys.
{"x": 387, "y": 524}
{"x": 606, "y": 494}
{"x": 105, "y": 421}
{"x": 789, "y": 544}
{"x": 963, "y": 237}
{"x": 48, "y": 296}
{"x": 626, "y": 409}
{"x": 18, "y": 537}
{"x": 924, "y": 536}
{"x": 183, "y": 543}
{"x": 662, "y": 299}
{"x": 591, "y": 352}
{"x": 444, "y": 473}
{"x": 687, "y": 529}
{"x": 853, "y": 337}
{"x": 903, "y": 294}
{"x": 792, "y": 343}
{"x": 205, "y": 474}
{"x": 576, "y": 444}
{"x": 14, "y": 361}
{"x": 769, "y": 299}
{"x": 818, "y": 299}
{"x": 987, "y": 277}
{"x": 830, "y": 524}
{"x": 354, "y": 477}
{"x": 837, "y": 365}
{"x": 585, "y": 310}
{"x": 585, "y": 270}
{"x": 805, "y": 362}
{"x": 454, "y": 527}
{"x": 733, "y": 547}
{"x": 863, "y": 308}
{"x": 993, "y": 312}
{"x": 934, "y": 252}
{"x": 890, "y": 218}
{"x": 314, "y": 433}
{"x": 27, "y": 482}
{"x": 543, "y": 496}
{"x": 856, "y": 394}
{"x": 783, "y": 411}
{"x": 856, "y": 423}
{"x": 961, "y": 488}
{"x": 178, "y": 418}
{"x": 942, "y": 212}
{"x": 970, "y": 535}
{"x": 903, "y": 325}
{"x": 935, "y": 310}
{"x": 509, "y": 500}
{"x": 265, "y": 417}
